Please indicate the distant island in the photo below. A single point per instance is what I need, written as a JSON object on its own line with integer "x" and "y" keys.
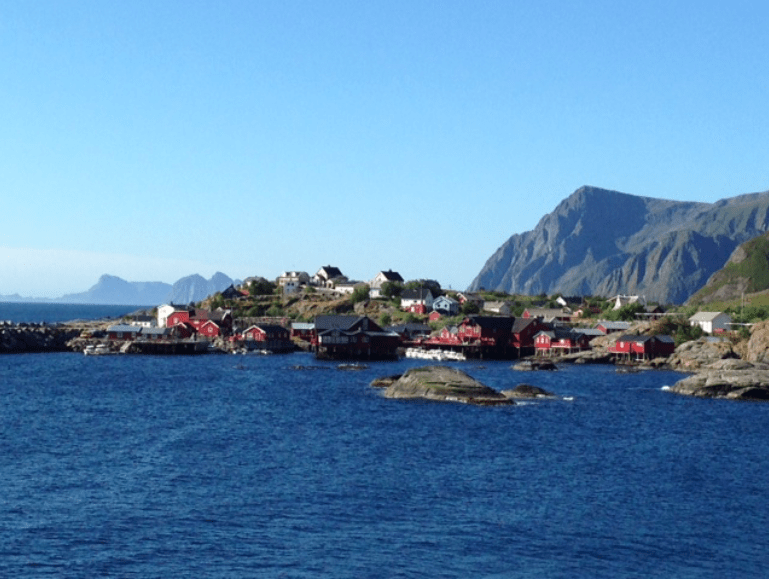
{"x": 112, "y": 290}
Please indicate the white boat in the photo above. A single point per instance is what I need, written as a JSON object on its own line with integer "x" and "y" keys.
{"x": 97, "y": 350}
{"x": 436, "y": 354}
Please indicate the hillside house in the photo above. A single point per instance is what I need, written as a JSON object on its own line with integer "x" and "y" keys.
{"x": 418, "y": 301}
{"x": 291, "y": 282}
{"x": 232, "y": 293}
{"x": 383, "y": 277}
{"x": 612, "y": 327}
{"x": 620, "y": 301}
{"x": 497, "y": 307}
{"x": 549, "y": 315}
{"x": 446, "y": 306}
{"x": 327, "y": 276}
{"x": 711, "y": 322}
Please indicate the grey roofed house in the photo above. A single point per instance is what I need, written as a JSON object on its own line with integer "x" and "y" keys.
{"x": 611, "y": 327}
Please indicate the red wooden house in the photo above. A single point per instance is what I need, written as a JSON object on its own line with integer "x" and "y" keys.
{"x": 123, "y": 332}
{"x": 559, "y": 341}
{"x": 630, "y": 347}
{"x": 302, "y": 331}
{"x": 523, "y": 333}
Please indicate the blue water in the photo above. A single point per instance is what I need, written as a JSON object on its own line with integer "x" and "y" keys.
{"x": 54, "y": 313}
{"x": 243, "y": 466}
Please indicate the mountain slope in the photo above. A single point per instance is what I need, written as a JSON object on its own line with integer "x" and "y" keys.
{"x": 746, "y": 271}
{"x": 605, "y": 242}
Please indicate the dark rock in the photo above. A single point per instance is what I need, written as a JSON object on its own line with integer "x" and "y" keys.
{"x": 532, "y": 365}
{"x": 527, "y": 392}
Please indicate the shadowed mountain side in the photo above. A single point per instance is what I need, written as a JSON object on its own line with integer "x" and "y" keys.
{"x": 605, "y": 242}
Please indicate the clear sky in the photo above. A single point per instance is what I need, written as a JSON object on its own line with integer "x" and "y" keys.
{"x": 152, "y": 140}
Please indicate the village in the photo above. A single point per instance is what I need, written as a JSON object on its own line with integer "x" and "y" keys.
{"x": 424, "y": 321}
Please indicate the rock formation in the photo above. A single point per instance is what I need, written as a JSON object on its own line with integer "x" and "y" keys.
{"x": 444, "y": 384}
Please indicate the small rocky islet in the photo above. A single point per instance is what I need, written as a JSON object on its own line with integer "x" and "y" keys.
{"x": 445, "y": 384}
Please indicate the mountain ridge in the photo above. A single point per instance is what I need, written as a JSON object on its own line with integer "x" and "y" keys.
{"x": 113, "y": 290}
{"x": 604, "y": 242}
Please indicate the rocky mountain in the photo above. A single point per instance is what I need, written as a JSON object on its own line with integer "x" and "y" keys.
{"x": 746, "y": 271}
{"x": 194, "y": 288}
{"x": 601, "y": 242}
{"x": 114, "y": 290}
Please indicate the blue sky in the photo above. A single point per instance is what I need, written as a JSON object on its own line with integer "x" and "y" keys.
{"x": 152, "y": 140}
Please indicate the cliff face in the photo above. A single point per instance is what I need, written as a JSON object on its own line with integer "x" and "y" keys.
{"x": 604, "y": 242}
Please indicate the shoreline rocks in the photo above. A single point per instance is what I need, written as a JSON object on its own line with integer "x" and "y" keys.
{"x": 28, "y": 338}
{"x": 729, "y": 379}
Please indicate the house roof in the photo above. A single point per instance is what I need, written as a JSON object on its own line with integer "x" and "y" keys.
{"x": 521, "y": 324}
{"x": 345, "y": 323}
{"x": 705, "y": 316}
{"x": 124, "y": 328}
{"x": 391, "y": 275}
{"x": 562, "y": 333}
{"x": 416, "y": 294}
{"x": 302, "y": 326}
{"x": 493, "y": 322}
{"x": 156, "y": 331}
{"x": 330, "y": 272}
{"x": 617, "y": 326}
{"x": 446, "y": 299}
{"x": 548, "y": 313}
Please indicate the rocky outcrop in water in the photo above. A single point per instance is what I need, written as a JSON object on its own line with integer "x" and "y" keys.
{"x": 527, "y": 392}
{"x": 23, "y": 338}
{"x": 731, "y": 379}
{"x": 444, "y": 384}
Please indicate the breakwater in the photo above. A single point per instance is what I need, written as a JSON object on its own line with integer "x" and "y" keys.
{"x": 34, "y": 337}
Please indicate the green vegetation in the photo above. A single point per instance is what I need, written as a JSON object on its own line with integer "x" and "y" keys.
{"x": 391, "y": 289}
{"x": 360, "y": 294}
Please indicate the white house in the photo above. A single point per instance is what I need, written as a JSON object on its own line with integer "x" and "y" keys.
{"x": 711, "y": 322}
{"x": 380, "y": 279}
{"x": 163, "y": 312}
{"x": 326, "y": 275}
{"x": 291, "y": 281}
{"x": 417, "y": 300}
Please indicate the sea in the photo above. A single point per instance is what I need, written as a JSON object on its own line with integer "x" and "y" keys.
{"x": 52, "y": 313}
{"x": 238, "y": 466}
